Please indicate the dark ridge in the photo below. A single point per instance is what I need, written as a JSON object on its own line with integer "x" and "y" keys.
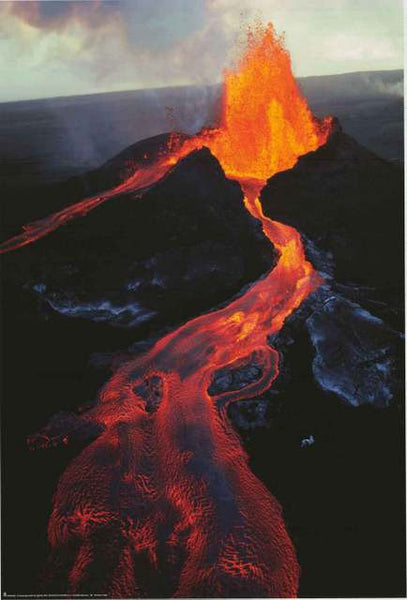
{"x": 349, "y": 202}
{"x": 183, "y": 247}
{"x": 25, "y": 204}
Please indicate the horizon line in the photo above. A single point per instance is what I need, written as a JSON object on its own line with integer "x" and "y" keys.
{"x": 179, "y": 86}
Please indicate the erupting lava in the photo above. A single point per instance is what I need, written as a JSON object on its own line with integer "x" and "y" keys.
{"x": 266, "y": 122}
{"x": 167, "y": 493}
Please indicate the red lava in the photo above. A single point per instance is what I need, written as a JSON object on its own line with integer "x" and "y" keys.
{"x": 168, "y": 493}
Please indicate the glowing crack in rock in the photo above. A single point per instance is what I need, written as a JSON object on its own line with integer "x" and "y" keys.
{"x": 167, "y": 492}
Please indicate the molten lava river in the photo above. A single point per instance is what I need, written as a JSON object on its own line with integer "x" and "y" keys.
{"x": 168, "y": 494}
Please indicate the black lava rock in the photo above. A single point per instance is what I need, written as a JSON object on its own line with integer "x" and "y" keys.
{"x": 349, "y": 202}
{"x": 183, "y": 247}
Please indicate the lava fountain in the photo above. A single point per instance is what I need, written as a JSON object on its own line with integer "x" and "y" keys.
{"x": 167, "y": 494}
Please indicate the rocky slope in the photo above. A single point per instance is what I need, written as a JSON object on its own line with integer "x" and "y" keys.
{"x": 348, "y": 201}
{"x": 184, "y": 246}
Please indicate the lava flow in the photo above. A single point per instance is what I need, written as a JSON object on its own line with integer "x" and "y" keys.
{"x": 165, "y": 493}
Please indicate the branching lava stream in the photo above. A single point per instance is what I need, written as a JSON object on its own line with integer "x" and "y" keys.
{"x": 168, "y": 493}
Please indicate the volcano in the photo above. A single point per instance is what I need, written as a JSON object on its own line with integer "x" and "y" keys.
{"x": 215, "y": 277}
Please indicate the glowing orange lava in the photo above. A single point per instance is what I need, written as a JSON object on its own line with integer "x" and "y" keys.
{"x": 173, "y": 488}
{"x": 266, "y": 123}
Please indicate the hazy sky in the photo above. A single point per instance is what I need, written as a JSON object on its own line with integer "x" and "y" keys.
{"x": 63, "y": 47}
